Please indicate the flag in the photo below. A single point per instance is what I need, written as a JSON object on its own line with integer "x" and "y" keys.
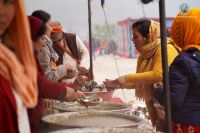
{"x": 102, "y": 3}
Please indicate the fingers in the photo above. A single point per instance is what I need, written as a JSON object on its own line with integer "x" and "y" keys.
{"x": 83, "y": 71}
{"x": 80, "y": 94}
{"x": 111, "y": 84}
{"x": 71, "y": 74}
{"x": 158, "y": 85}
{"x": 72, "y": 95}
{"x": 81, "y": 81}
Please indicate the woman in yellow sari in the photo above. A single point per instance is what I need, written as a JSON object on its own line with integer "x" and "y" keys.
{"x": 146, "y": 37}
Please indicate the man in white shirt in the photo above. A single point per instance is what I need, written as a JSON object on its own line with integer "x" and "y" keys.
{"x": 70, "y": 49}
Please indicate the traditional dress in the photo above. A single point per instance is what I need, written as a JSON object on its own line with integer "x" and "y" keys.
{"x": 149, "y": 70}
{"x": 18, "y": 86}
{"x": 184, "y": 73}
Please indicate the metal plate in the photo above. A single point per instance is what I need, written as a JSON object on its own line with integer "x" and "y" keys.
{"x": 92, "y": 119}
{"x": 103, "y": 107}
{"x": 96, "y": 92}
{"x": 104, "y": 130}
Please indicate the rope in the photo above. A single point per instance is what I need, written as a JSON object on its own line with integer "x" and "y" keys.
{"x": 109, "y": 35}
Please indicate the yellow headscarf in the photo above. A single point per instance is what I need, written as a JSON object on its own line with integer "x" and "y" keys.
{"x": 185, "y": 30}
{"x": 19, "y": 67}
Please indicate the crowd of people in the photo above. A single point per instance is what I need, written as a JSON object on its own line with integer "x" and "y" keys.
{"x": 38, "y": 60}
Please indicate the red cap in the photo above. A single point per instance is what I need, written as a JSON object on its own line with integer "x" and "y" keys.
{"x": 35, "y": 24}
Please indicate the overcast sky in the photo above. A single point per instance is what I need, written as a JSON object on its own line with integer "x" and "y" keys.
{"x": 73, "y": 13}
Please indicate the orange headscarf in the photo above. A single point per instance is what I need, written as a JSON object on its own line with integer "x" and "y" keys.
{"x": 185, "y": 30}
{"x": 19, "y": 68}
{"x": 56, "y": 26}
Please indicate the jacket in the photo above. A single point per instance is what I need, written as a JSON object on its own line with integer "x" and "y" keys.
{"x": 184, "y": 76}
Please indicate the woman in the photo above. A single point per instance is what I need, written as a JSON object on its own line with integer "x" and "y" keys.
{"x": 47, "y": 89}
{"x": 146, "y": 37}
{"x": 184, "y": 73}
{"x": 48, "y": 57}
{"x": 18, "y": 87}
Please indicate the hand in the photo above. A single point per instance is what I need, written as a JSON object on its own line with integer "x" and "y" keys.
{"x": 70, "y": 96}
{"x": 68, "y": 66}
{"x": 79, "y": 94}
{"x": 121, "y": 80}
{"x": 83, "y": 71}
{"x": 80, "y": 81}
{"x": 70, "y": 74}
{"x": 111, "y": 84}
{"x": 158, "y": 85}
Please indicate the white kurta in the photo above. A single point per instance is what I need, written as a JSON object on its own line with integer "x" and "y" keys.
{"x": 85, "y": 58}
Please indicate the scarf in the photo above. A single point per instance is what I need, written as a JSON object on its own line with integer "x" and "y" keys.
{"x": 146, "y": 63}
{"x": 49, "y": 44}
{"x": 185, "y": 30}
{"x": 19, "y": 68}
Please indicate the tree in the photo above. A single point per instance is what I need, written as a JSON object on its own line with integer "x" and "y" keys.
{"x": 101, "y": 31}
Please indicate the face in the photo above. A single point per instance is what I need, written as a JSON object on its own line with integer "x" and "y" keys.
{"x": 138, "y": 39}
{"x": 48, "y": 32}
{"x": 56, "y": 36}
{"x": 39, "y": 43}
{"x": 7, "y": 12}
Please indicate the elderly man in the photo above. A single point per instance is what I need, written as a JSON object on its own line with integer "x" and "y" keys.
{"x": 71, "y": 50}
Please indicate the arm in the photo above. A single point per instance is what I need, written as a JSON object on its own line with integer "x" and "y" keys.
{"x": 129, "y": 85}
{"x": 49, "y": 89}
{"x": 85, "y": 58}
{"x": 155, "y": 75}
{"x": 44, "y": 59}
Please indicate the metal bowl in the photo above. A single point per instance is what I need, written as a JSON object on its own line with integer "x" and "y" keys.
{"x": 90, "y": 101}
{"x": 106, "y": 95}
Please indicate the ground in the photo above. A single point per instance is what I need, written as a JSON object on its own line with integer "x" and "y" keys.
{"x": 104, "y": 67}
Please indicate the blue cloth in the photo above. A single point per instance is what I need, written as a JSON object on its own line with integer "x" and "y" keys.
{"x": 184, "y": 76}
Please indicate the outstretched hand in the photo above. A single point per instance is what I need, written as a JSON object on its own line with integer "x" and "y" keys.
{"x": 111, "y": 84}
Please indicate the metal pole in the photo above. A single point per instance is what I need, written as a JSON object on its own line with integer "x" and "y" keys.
{"x": 90, "y": 38}
{"x": 165, "y": 65}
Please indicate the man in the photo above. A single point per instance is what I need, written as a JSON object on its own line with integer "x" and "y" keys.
{"x": 70, "y": 50}
{"x": 47, "y": 57}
